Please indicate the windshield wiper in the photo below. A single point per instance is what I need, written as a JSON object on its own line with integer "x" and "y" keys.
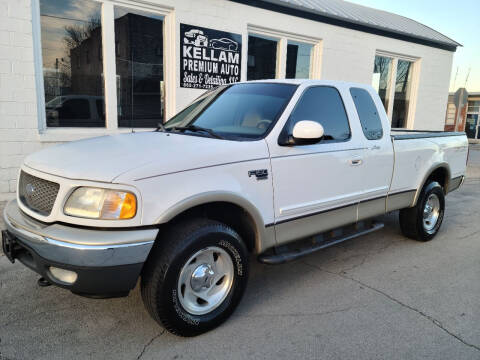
{"x": 161, "y": 127}
{"x": 195, "y": 128}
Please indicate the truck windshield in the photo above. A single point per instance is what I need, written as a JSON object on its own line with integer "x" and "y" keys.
{"x": 237, "y": 112}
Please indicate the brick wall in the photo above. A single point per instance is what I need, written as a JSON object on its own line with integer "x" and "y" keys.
{"x": 18, "y": 120}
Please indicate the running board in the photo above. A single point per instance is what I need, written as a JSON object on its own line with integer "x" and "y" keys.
{"x": 297, "y": 249}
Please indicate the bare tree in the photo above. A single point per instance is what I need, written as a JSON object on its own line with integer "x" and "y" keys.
{"x": 76, "y": 34}
{"x": 403, "y": 70}
{"x": 382, "y": 65}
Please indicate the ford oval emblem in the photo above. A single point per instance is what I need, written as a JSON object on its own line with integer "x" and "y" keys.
{"x": 29, "y": 189}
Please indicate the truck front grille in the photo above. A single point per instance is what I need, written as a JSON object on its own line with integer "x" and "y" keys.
{"x": 37, "y": 194}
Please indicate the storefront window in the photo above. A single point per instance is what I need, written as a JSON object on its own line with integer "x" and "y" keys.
{"x": 401, "y": 98}
{"x": 474, "y": 106}
{"x": 71, "y": 34}
{"x": 298, "y": 60}
{"x": 400, "y": 95}
{"x": 262, "y": 58}
{"x": 139, "y": 63}
{"x": 451, "y": 112}
{"x": 382, "y": 71}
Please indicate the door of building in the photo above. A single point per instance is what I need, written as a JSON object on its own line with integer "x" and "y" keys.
{"x": 471, "y": 126}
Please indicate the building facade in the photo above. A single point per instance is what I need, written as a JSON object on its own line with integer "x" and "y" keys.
{"x": 76, "y": 69}
{"x": 472, "y": 122}
{"x": 463, "y": 114}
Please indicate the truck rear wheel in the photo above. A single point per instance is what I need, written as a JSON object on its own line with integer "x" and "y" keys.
{"x": 195, "y": 276}
{"x": 423, "y": 221}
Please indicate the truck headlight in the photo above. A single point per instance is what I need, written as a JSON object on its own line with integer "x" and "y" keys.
{"x": 96, "y": 203}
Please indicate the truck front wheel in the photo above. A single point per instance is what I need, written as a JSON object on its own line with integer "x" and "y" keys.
{"x": 423, "y": 221}
{"x": 195, "y": 276}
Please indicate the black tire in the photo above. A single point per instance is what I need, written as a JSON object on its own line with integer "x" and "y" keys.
{"x": 411, "y": 219}
{"x": 162, "y": 270}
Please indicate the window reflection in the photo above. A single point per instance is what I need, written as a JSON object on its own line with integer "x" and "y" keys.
{"x": 382, "y": 70}
{"x": 298, "y": 60}
{"x": 73, "y": 74}
{"x": 262, "y": 58}
{"x": 139, "y": 63}
{"x": 401, "y": 100}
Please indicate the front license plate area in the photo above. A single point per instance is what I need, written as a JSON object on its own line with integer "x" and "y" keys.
{"x": 8, "y": 245}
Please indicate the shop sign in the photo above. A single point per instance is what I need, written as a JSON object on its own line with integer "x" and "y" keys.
{"x": 208, "y": 57}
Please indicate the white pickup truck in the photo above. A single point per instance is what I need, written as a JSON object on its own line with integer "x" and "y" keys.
{"x": 276, "y": 168}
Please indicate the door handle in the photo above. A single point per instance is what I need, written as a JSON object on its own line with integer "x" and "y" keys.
{"x": 356, "y": 162}
{"x": 375, "y": 147}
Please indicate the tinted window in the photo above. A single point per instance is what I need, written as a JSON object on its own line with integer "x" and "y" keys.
{"x": 262, "y": 58}
{"x": 237, "y": 111}
{"x": 368, "y": 114}
{"x": 324, "y": 105}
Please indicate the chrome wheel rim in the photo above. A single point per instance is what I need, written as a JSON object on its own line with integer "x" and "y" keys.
{"x": 205, "y": 280}
{"x": 431, "y": 212}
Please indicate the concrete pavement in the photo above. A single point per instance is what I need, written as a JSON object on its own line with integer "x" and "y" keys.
{"x": 380, "y": 296}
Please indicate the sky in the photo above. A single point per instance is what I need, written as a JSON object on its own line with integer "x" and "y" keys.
{"x": 459, "y": 20}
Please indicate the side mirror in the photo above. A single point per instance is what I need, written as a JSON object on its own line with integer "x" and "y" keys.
{"x": 305, "y": 132}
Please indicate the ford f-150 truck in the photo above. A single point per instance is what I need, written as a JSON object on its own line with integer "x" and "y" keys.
{"x": 277, "y": 168}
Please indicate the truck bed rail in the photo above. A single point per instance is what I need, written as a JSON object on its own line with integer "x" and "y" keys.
{"x": 403, "y": 134}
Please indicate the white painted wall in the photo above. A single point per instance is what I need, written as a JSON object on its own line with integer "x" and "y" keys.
{"x": 345, "y": 55}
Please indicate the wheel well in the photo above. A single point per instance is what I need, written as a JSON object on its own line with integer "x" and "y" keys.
{"x": 441, "y": 176}
{"x": 230, "y": 214}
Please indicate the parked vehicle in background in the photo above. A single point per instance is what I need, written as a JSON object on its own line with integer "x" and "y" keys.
{"x": 75, "y": 110}
{"x": 268, "y": 167}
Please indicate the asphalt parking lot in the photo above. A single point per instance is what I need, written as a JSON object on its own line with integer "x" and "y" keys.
{"x": 381, "y": 296}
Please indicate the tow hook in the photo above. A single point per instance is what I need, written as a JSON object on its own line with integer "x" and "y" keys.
{"x": 42, "y": 282}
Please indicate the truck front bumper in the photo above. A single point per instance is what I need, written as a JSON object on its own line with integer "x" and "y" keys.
{"x": 90, "y": 262}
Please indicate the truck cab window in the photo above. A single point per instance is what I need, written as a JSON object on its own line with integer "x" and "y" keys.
{"x": 367, "y": 113}
{"x": 324, "y": 105}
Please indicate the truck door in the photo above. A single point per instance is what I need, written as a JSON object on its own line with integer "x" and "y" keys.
{"x": 377, "y": 169}
{"x": 317, "y": 187}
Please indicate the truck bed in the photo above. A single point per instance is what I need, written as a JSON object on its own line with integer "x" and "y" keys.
{"x": 403, "y": 134}
{"x": 418, "y": 152}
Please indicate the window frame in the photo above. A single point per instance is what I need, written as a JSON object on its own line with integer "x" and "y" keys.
{"x": 48, "y": 134}
{"x": 413, "y": 90}
{"x": 284, "y": 133}
{"x": 298, "y": 43}
{"x": 282, "y": 38}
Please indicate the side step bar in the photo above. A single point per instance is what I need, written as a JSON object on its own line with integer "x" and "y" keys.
{"x": 295, "y": 250}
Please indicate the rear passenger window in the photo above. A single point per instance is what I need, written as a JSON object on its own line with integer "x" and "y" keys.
{"x": 368, "y": 114}
{"x": 324, "y": 105}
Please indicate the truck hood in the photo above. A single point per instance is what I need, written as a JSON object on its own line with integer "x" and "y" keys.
{"x": 105, "y": 158}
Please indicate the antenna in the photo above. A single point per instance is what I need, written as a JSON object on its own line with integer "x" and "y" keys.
{"x": 455, "y": 80}
{"x": 466, "y": 79}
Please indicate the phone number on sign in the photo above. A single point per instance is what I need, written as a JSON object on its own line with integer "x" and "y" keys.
{"x": 203, "y": 81}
